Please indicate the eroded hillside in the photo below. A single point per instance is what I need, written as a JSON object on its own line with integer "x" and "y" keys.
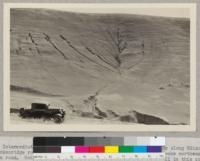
{"x": 142, "y": 61}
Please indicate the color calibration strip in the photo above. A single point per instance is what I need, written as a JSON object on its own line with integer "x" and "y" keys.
{"x": 97, "y": 149}
{"x": 104, "y": 141}
{"x": 98, "y": 144}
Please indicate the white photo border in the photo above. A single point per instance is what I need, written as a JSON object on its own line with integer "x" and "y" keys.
{"x": 7, "y": 126}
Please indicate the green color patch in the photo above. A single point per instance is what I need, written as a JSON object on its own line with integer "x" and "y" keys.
{"x": 125, "y": 149}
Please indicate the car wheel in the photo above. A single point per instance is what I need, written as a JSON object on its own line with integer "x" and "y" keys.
{"x": 22, "y": 113}
{"x": 58, "y": 118}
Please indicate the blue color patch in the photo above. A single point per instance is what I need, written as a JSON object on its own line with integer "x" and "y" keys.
{"x": 140, "y": 149}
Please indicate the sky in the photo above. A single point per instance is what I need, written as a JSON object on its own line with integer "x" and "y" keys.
{"x": 153, "y": 9}
{"x": 165, "y": 12}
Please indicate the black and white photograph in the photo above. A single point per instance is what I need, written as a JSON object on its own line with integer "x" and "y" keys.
{"x": 99, "y": 67}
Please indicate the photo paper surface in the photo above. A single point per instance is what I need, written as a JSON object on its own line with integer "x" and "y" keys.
{"x": 99, "y": 67}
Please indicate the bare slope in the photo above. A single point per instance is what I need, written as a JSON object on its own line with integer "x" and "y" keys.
{"x": 140, "y": 62}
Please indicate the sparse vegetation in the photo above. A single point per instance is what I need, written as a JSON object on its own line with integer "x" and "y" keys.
{"x": 67, "y": 58}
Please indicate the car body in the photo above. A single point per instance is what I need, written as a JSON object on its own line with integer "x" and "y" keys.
{"x": 41, "y": 110}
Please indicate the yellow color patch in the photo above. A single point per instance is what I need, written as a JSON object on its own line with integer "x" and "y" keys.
{"x": 111, "y": 149}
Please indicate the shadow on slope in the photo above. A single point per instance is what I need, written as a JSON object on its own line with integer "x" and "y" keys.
{"x": 28, "y": 90}
{"x": 132, "y": 117}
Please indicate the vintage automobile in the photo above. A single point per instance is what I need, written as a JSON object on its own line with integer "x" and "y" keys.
{"x": 41, "y": 110}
